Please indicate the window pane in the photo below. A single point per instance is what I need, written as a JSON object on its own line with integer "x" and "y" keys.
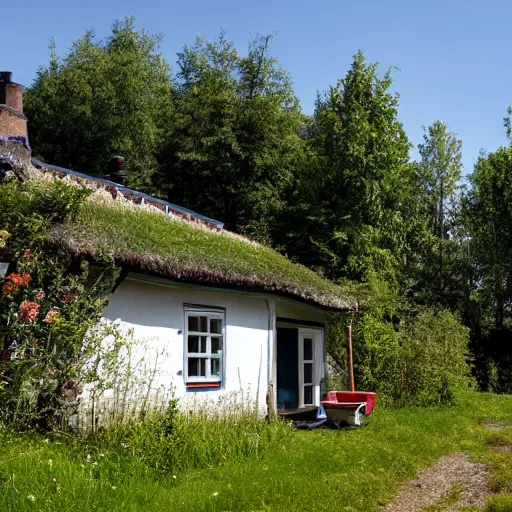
{"x": 197, "y": 344}
{"x": 215, "y": 325}
{"x": 308, "y": 373}
{"x": 308, "y": 395}
{"x": 196, "y": 367}
{"x": 216, "y": 344}
{"x": 193, "y": 323}
{"x": 308, "y": 349}
{"x": 193, "y": 344}
{"x": 215, "y": 367}
{"x": 198, "y": 323}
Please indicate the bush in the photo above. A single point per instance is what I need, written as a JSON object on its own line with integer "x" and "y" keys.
{"x": 47, "y": 306}
{"x": 409, "y": 357}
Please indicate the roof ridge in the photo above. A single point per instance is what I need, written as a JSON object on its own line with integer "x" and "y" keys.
{"x": 132, "y": 195}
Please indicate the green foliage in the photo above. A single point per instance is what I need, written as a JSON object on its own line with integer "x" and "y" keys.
{"x": 489, "y": 221}
{"x": 233, "y": 142}
{"x": 440, "y": 258}
{"x": 104, "y": 98}
{"x": 409, "y": 357}
{"x": 353, "y": 195}
{"x": 500, "y": 503}
{"x": 46, "y": 307}
{"x": 335, "y": 191}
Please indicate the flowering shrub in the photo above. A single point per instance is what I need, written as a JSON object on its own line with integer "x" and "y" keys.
{"x": 47, "y": 305}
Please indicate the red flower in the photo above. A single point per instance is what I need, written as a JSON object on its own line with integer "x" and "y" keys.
{"x": 28, "y": 254}
{"x": 51, "y": 316}
{"x": 13, "y": 282}
{"x": 19, "y": 279}
{"x": 36, "y": 341}
{"x": 40, "y": 295}
{"x": 28, "y": 311}
{"x": 9, "y": 287}
{"x": 69, "y": 297}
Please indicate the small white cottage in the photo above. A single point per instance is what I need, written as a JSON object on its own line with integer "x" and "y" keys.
{"x": 225, "y": 314}
{"x": 214, "y": 312}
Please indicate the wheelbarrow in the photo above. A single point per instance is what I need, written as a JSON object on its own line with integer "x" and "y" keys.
{"x": 348, "y": 407}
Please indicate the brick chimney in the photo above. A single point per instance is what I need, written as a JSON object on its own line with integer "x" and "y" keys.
{"x": 13, "y": 124}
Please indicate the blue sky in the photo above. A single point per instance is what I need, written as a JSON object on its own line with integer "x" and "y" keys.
{"x": 453, "y": 57}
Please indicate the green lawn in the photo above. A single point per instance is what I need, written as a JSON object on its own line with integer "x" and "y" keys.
{"x": 322, "y": 470}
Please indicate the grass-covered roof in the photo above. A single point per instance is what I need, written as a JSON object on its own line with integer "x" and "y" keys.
{"x": 153, "y": 243}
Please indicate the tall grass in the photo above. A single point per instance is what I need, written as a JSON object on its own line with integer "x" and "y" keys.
{"x": 171, "y": 440}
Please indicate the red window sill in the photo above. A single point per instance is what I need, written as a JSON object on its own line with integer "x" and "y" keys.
{"x": 203, "y": 385}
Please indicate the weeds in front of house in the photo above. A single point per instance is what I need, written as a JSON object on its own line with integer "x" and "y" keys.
{"x": 171, "y": 440}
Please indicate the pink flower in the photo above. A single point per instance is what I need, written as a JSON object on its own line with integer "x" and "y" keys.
{"x": 51, "y": 316}
{"x": 29, "y": 311}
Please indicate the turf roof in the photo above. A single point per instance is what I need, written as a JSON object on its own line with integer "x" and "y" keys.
{"x": 153, "y": 243}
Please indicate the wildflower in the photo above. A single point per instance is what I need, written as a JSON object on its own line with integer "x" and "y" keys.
{"x": 50, "y": 463}
{"x": 28, "y": 254}
{"x": 174, "y": 476}
{"x": 51, "y": 316}
{"x": 46, "y": 441}
{"x": 215, "y": 494}
{"x": 88, "y": 456}
{"x": 13, "y": 282}
{"x": 31, "y": 498}
{"x": 4, "y": 235}
{"x": 36, "y": 341}
{"x": 40, "y": 295}
{"x": 28, "y": 311}
{"x": 69, "y": 297}
{"x": 114, "y": 487}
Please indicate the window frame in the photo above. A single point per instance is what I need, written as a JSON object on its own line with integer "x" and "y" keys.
{"x": 208, "y": 380}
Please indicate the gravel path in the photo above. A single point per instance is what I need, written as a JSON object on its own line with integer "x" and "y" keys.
{"x": 435, "y": 483}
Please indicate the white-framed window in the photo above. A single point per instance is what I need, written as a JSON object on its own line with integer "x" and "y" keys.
{"x": 204, "y": 338}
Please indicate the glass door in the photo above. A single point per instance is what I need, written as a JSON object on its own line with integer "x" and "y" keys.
{"x": 310, "y": 355}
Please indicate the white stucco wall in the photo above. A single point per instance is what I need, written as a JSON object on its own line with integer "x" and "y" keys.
{"x": 155, "y": 312}
{"x": 154, "y": 309}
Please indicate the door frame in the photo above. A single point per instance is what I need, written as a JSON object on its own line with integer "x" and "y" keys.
{"x": 318, "y": 335}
